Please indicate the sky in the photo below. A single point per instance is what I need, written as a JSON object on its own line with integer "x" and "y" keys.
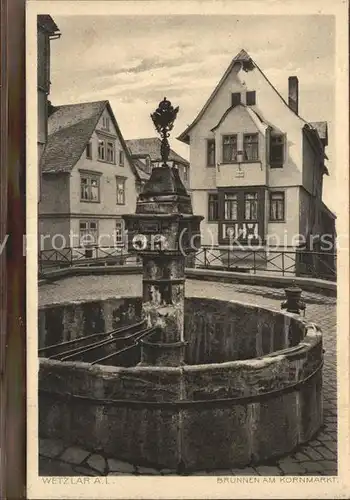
{"x": 135, "y": 61}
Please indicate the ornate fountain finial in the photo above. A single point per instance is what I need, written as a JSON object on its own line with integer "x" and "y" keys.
{"x": 163, "y": 119}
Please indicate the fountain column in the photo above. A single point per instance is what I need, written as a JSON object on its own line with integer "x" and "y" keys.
{"x": 163, "y": 231}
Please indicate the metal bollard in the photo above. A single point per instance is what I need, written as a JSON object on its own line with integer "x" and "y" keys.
{"x": 293, "y": 302}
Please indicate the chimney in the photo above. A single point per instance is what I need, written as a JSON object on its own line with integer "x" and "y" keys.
{"x": 293, "y": 93}
{"x": 50, "y": 108}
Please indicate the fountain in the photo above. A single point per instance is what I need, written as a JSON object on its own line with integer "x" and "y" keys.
{"x": 209, "y": 384}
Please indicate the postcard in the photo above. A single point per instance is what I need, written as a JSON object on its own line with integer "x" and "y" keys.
{"x": 187, "y": 249}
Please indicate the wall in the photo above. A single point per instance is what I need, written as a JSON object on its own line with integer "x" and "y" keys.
{"x": 270, "y": 106}
{"x": 54, "y": 233}
{"x": 284, "y": 234}
{"x": 218, "y": 331}
{"x": 259, "y": 408}
{"x": 67, "y": 321}
{"x": 107, "y": 204}
{"x": 55, "y": 194}
{"x": 239, "y": 121}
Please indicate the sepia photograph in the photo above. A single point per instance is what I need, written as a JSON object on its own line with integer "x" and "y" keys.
{"x": 186, "y": 233}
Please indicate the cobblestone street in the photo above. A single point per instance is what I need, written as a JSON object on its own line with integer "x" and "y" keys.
{"x": 318, "y": 457}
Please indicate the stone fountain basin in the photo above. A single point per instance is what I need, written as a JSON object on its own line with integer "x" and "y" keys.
{"x": 251, "y": 390}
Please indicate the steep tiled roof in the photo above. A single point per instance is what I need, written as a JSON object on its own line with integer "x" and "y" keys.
{"x": 70, "y": 128}
{"x": 141, "y": 169}
{"x": 321, "y": 128}
{"x": 151, "y": 146}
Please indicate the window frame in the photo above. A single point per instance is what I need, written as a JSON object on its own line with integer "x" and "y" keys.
{"x": 232, "y": 98}
{"x": 88, "y": 150}
{"x": 123, "y": 180}
{"x": 211, "y": 142}
{"x": 283, "y": 199}
{"x": 88, "y": 222}
{"x": 250, "y": 93}
{"x": 255, "y": 199}
{"x": 103, "y": 143}
{"x": 277, "y": 163}
{"x": 224, "y": 160}
{"x": 121, "y": 158}
{"x": 106, "y": 123}
{"x": 185, "y": 173}
{"x": 110, "y": 148}
{"x": 89, "y": 176}
{"x": 230, "y": 199}
{"x": 251, "y": 160}
{"x": 213, "y": 205}
{"x": 119, "y": 243}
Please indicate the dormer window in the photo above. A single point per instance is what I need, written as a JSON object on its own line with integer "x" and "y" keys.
{"x": 250, "y": 98}
{"x": 277, "y": 147}
{"x": 235, "y": 98}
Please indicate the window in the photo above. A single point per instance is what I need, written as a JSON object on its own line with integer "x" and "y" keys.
{"x": 106, "y": 150}
{"x": 235, "y": 98}
{"x": 185, "y": 174}
{"x": 105, "y": 122}
{"x": 277, "y": 206}
{"x": 251, "y": 147}
{"x": 89, "y": 150}
{"x": 110, "y": 151}
{"x": 101, "y": 150}
{"x": 230, "y": 205}
{"x": 213, "y": 207}
{"x": 277, "y": 143}
{"x": 90, "y": 188}
{"x": 229, "y": 148}
{"x": 121, "y": 158}
{"x": 119, "y": 233}
{"x": 87, "y": 233}
{"x": 210, "y": 152}
{"x": 120, "y": 190}
{"x": 250, "y": 98}
{"x": 250, "y": 206}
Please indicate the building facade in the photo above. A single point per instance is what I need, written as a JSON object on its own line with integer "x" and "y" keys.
{"x": 47, "y": 30}
{"x": 88, "y": 179}
{"x": 147, "y": 151}
{"x": 258, "y": 165}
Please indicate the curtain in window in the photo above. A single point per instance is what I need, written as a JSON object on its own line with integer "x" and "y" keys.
{"x": 231, "y": 207}
{"x": 251, "y": 206}
{"x": 213, "y": 212}
{"x": 229, "y": 151}
{"x": 250, "y": 147}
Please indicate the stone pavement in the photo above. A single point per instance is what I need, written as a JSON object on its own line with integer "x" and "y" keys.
{"x": 318, "y": 457}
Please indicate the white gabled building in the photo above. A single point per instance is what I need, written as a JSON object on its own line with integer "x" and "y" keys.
{"x": 257, "y": 165}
